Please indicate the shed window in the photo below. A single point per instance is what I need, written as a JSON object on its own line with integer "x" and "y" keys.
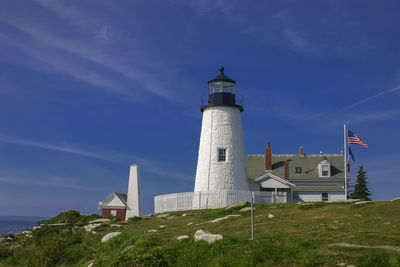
{"x": 324, "y": 196}
{"x": 113, "y": 212}
{"x": 222, "y": 154}
{"x": 298, "y": 169}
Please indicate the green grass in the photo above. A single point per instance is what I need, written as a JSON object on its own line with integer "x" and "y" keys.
{"x": 298, "y": 235}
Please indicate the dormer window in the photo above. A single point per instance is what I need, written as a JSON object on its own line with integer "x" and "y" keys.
{"x": 324, "y": 168}
{"x": 325, "y": 171}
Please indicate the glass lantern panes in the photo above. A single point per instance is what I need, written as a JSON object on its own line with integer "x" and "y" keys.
{"x": 221, "y": 87}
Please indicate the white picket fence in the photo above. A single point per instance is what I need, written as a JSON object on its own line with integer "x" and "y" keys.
{"x": 212, "y": 200}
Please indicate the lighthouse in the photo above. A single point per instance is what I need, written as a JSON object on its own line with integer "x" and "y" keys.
{"x": 221, "y": 164}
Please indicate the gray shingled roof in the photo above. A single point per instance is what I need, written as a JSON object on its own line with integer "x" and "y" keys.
{"x": 122, "y": 196}
{"x": 308, "y": 164}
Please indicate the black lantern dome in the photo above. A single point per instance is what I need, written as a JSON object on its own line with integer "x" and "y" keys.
{"x": 221, "y": 92}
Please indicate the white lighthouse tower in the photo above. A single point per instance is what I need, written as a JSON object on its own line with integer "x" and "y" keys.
{"x": 221, "y": 165}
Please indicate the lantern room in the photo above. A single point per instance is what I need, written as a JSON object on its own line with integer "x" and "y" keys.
{"x": 221, "y": 92}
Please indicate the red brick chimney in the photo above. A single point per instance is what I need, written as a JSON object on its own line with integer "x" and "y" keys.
{"x": 268, "y": 157}
{"x": 301, "y": 151}
{"x": 286, "y": 169}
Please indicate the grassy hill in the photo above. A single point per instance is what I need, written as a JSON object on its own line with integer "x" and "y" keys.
{"x": 297, "y": 235}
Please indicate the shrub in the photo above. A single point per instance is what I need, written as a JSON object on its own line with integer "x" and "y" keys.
{"x": 311, "y": 205}
{"x": 379, "y": 258}
{"x": 70, "y": 216}
{"x": 152, "y": 258}
{"x": 5, "y": 252}
{"x": 135, "y": 219}
{"x": 111, "y": 217}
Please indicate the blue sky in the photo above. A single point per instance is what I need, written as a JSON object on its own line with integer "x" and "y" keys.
{"x": 89, "y": 87}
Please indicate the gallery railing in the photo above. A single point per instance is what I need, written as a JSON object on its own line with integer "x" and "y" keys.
{"x": 212, "y": 200}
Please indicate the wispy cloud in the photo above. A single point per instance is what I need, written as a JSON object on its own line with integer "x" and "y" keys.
{"x": 102, "y": 34}
{"x": 142, "y": 73}
{"x": 281, "y": 25}
{"x": 110, "y": 156}
{"x": 52, "y": 181}
{"x": 116, "y": 158}
{"x": 373, "y": 116}
{"x": 391, "y": 90}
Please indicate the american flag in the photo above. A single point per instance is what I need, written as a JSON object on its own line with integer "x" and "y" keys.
{"x": 355, "y": 139}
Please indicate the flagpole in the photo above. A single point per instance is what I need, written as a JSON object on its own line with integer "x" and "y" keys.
{"x": 345, "y": 163}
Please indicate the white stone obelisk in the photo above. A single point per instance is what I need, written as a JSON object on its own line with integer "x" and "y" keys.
{"x": 134, "y": 201}
{"x": 221, "y": 164}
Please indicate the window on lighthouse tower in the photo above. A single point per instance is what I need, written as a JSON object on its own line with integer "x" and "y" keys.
{"x": 221, "y": 154}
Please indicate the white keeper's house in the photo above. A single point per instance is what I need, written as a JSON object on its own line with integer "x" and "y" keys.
{"x": 224, "y": 176}
{"x": 305, "y": 177}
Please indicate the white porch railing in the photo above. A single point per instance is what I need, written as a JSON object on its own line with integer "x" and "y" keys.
{"x": 212, "y": 200}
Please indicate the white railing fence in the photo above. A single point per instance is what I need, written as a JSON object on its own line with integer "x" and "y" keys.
{"x": 212, "y": 200}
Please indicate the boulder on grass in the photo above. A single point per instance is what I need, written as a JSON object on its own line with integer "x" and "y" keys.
{"x": 224, "y": 218}
{"x": 103, "y": 220}
{"x": 181, "y": 237}
{"x": 236, "y": 205}
{"x": 246, "y": 209}
{"x": 206, "y": 236}
{"x": 109, "y": 236}
{"x": 91, "y": 226}
{"x": 362, "y": 202}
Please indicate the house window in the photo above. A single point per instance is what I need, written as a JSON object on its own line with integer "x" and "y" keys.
{"x": 298, "y": 169}
{"x": 222, "y": 154}
{"x": 325, "y": 170}
{"x": 324, "y": 196}
{"x": 113, "y": 212}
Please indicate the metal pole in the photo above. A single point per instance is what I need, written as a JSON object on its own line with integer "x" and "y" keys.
{"x": 252, "y": 216}
{"x": 345, "y": 163}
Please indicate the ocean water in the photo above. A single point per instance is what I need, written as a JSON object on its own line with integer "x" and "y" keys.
{"x": 17, "y": 224}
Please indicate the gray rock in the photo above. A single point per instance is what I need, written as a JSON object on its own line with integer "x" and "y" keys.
{"x": 271, "y": 216}
{"x": 125, "y": 249}
{"x": 164, "y": 215}
{"x": 109, "y": 236}
{"x": 206, "y": 236}
{"x": 100, "y": 221}
{"x": 90, "y": 227}
{"x": 236, "y": 205}
{"x": 246, "y": 209}
{"x": 224, "y": 218}
{"x": 362, "y": 202}
{"x": 181, "y": 237}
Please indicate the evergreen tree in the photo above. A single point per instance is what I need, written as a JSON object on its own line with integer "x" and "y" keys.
{"x": 361, "y": 188}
